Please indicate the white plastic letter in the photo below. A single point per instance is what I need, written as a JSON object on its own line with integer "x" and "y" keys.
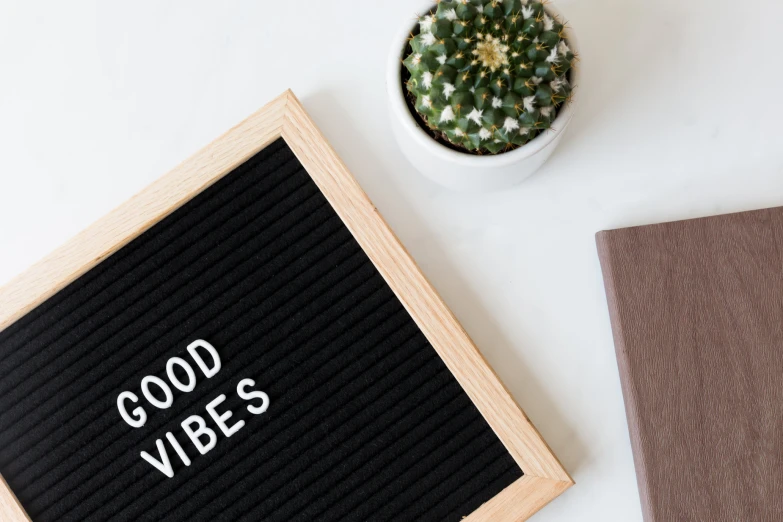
{"x": 201, "y": 364}
{"x": 255, "y": 410}
{"x": 220, "y": 420}
{"x": 173, "y": 378}
{"x": 138, "y": 412}
{"x": 145, "y": 389}
{"x": 175, "y": 444}
{"x": 163, "y": 465}
{"x": 202, "y": 430}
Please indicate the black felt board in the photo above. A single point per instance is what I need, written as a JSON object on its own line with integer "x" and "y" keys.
{"x": 365, "y": 421}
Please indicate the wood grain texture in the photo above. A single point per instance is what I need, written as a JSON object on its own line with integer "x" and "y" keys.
{"x": 10, "y": 508}
{"x": 696, "y": 310}
{"x": 519, "y": 501}
{"x": 544, "y": 479}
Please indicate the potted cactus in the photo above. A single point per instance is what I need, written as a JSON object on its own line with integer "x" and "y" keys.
{"x": 482, "y": 90}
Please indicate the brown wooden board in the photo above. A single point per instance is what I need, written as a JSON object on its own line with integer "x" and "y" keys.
{"x": 375, "y": 443}
{"x": 696, "y": 310}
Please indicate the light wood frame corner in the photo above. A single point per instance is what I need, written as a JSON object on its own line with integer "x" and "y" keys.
{"x": 544, "y": 478}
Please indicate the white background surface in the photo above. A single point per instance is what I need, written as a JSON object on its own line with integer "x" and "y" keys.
{"x": 679, "y": 117}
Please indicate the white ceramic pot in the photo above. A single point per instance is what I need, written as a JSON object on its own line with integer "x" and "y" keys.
{"x": 459, "y": 170}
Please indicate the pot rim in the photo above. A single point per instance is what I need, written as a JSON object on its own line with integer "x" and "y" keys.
{"x": 401, "y": 111}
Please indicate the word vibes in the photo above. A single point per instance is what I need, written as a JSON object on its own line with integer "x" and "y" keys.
{"x": 195, "y": 427}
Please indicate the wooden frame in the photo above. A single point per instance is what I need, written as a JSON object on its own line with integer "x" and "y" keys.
{"x": 544, "y": 477}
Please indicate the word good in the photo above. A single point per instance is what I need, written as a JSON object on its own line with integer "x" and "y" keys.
{"x": 139, "y": 413}
{"x": 195, "y": 427}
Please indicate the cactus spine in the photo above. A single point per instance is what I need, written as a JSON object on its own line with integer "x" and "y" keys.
{"x": 489, "y": 75}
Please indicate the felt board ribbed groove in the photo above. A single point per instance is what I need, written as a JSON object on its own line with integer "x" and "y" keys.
{"x": 365, "y": 422}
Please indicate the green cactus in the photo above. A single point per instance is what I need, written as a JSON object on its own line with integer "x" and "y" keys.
{"x": 489, "y": 75}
